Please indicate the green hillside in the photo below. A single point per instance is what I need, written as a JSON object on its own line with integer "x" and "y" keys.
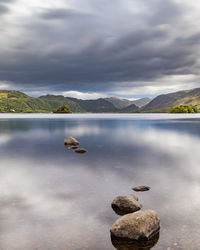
{"x": 54, "y": 102}
{"x": 11, "y": 101}
{"x": 163, "y": 103}
{"x": 15, "y": 101}
{"x": 96, "y": 106}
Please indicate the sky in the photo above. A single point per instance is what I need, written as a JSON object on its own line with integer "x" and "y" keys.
{"x": 98, "y": 48}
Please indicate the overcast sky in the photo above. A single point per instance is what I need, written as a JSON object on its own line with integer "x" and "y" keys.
{"x": 97, "y": 48}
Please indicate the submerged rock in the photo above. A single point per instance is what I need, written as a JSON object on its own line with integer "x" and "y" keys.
{"x": 73, "y": 147}
{"x": 70, "y": 147}
{"x": 80, "y": 150}
{"x": 141, "y": 225}
{"x": 125, "y": 244}
{"x": 71, "y": 141}
{"x": 141, "y": 188}
{"x": 126, "y": 204}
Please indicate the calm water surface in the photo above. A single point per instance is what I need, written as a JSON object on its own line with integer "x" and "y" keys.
{"x": 54, "y": 199}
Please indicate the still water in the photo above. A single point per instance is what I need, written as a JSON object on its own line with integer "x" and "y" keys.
{"x": 54, "y": 199}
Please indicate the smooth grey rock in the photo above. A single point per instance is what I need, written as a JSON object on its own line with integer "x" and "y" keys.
{"x": 141, "y": 225}
{"x": 69, "y": 140}
{"x": 126, "y": 204}
{"x": 80, "y": 150}
{"x": 141, "y": 188}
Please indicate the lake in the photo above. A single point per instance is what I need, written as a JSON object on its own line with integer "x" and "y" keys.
{"x": 54, "y": 199}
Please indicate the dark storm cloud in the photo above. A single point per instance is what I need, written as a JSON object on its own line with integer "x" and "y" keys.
{"x": 3, "y": 7}
{"x": 69, "y": 49}
{"x": 61, "y": 14}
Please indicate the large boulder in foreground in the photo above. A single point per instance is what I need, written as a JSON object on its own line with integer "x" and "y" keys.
{"x": 71, "y": 141}
{"x": 141, "y": 225}
{"x": 126, "y": 204}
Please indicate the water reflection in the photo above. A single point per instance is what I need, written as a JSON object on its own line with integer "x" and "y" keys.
{"x": 123, "y": 244}
{"x": 50, "y": 196}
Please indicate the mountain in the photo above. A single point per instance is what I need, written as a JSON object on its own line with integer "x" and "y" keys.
{"x": 123, "y": 103}
{"x": 130, "y": 109}
{"x": 20, "y": 102}
{"x": 95, "y": 106}
{"x": 54, "y": 101}
{"x": 118, "y": 102}
{"x": 163, "y": 103}
{"x": 142, "y": 101}
{"x": 15, "y": 101}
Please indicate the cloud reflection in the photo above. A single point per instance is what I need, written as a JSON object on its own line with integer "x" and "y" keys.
{"x": 54, "y": 199}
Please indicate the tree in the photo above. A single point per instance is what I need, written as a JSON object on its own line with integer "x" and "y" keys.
{"x": 62, "y": 109}
{"x": 183, "y": 109}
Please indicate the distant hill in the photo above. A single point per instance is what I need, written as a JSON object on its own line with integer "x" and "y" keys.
{"x": 15, "y": 101}
{"x": 95, "y": 106}
{"x": 141, "y": 102}
{"x": 118, "y": 102}
{"x": 123, "y": 103}
{"x": 163, "y": 103}
{"x": 54, "y": 101}
{"x": 130, "y": 109}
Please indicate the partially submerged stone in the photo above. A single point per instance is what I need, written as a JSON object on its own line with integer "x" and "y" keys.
{"x": 81, "y": 150}
{"x": 71, "y": 141}
{"x": 125, "y": 244}
{"x": 141, "y": 225}
{"x": 70, "y": 147}
{"x": 141, "y": 188}
{"x": 126, "y": 204}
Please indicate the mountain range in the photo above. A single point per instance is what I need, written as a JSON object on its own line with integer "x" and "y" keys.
{"x": 15, "y": 101}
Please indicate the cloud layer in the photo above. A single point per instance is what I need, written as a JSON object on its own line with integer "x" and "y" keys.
{"x": 124, "y": 48}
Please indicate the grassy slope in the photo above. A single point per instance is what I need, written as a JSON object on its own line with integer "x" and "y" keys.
{"x": 20, "y": 102}
{"x": 55, "y": 101}
{"x": 163, "y": 103}
{"x": 96, "y": 106}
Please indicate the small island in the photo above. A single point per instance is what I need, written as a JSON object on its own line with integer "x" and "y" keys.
{"x": 183, "y": 109}
{"x": 61, "y": 110}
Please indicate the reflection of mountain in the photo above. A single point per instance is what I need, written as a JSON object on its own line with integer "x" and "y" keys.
{"x": 55, "y": 197}
{"x": 123, "y": 244}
